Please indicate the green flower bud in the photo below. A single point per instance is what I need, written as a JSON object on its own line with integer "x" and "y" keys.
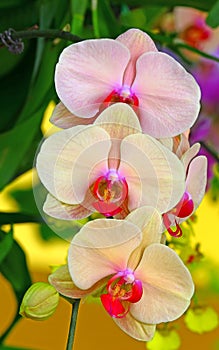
{"x": 39, "y": 302}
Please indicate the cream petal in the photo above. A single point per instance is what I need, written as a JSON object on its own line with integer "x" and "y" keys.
{"x": 119, "y": 120}
{"x": 70, "y": 160}
{"x": 134, "y": 328}
{"x": 197, "y": 179}
{"x": 62, "y": 282}
{"x": 155, "y": 176}
{"x": 138, "y": 43}
{"x": 87, "y": 72}
{"x": 63, "y": 118}
{"x": 149, "y": 221}
{"x": 168, "y": 95}
{"x": 59, "y": 210}
{"x": 167, "y": 286}
{"x": 190, "y": 154}
{"x": 180, "y": 144}
{"x": 100, "y": 249}
{"x": 167, "y": 142}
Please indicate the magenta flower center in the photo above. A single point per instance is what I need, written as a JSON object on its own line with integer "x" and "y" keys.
{"x": 110, "y": 192}
{"x": 122, "y": 289}
{"x": 125, "y": 95}
{"x": 183, "y": 209}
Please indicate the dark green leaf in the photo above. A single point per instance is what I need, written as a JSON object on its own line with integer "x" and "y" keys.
{"x": 108, "y": 25}
{"x": 15, "y": 218}
{"x": 199, "y": 4}
{"x": 213, "y": 17}
{"x": 14, "y": 269}
{"x": 6, "y": 242}
{"x": 13, "y": 146}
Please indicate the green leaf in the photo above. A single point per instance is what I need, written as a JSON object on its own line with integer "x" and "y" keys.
{"x": 199, "y": 4}
{"x": 78, "y": 10}
{"x": 201, "y": 320}
{"x": 19, "y": 138}
{"x": 108, "y": 25}
{"x": 213, "y": 17}
{"x": 16, "y": 218}
{"x": 6, "y": 242}
{"x": 14, "y": 269}
{"x": 168, "y": 340}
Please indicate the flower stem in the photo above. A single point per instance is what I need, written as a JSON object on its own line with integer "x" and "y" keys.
{"x": 71, "y": 333}
{"x": 210, "y": 150}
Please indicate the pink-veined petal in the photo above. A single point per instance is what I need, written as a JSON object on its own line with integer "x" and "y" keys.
{"x": 190, "y": 154}
{"x": 138, "y": 43}
{"x": 70, "y": 160}
{"x": 168, "y": 95}
{"x": 197, "y": 179}
{"x": 87, "y": 72}
{"x": 167, "y": 286}
{"x": 62, "y": 282}
{"x": 101, "y": 248}
{"x": 59, "y": 210}
{"x": 63, "y": 118}
{"x": 155, "y": 176}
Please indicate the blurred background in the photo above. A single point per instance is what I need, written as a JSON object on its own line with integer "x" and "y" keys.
{"x": 28, "y": 247}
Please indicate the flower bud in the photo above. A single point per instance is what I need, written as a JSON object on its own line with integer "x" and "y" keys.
{"x": 39, "y": 302}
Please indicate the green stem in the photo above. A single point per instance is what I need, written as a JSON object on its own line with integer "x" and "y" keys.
{"x": 47, "y": 33}
{"x": 210, "y": 150}
{"x": 72, "y": 327}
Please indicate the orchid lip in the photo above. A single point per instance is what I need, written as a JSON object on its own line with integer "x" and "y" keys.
{"x": 123, "y": 94}
{"x": 122, "y": 289}
{"x": 110, "y": 191}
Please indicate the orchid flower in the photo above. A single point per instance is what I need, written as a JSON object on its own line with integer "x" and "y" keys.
{"x": 140, "y": 281}
{"x": 196, "y": 180}
{"x": 109, "y": 167}
{"x": 93, "y": 74}
{"x": 192, "y": 28}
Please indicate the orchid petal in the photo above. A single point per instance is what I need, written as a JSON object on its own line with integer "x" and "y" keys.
{"x": 180, "y": 145}
{"x": 87, "y": 72}
{"x": 101, "y": 248}
{"x": 61, "y": 280}
{"x": 168, "y": 95}
{"x": 70, "y": 160}
{"x": 119, "y": 120}
{"x": 138, "y": 43}
{"x": 197, "y": 179}
{"x": 186, "y": 17}
{"x": 190, "y": 154}
{"x": 149, "y": 221}
{"x": 59, "y": 210}
{"x": 155, "y": 177}
{"x": 63, "y": 118}
{"x": 167, "y": 286}
{"x": 167, "y": 142}
{"x": 134, "y": 328}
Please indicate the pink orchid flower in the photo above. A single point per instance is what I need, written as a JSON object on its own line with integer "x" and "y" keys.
{"x": 109, "y": 167}
{"x": 196, "y": 181}
{"x": 140, "y": 281}
{"x": 192, "y": 28}
{"x": 93, "y": 74}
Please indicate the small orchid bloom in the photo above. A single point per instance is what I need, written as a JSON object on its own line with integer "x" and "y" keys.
{"x": 140, "y": 282}
{"x": 192, "y": 28}
{"x": 93, "y": 74}
{"x": 109, "y": 167}
{"x": 196, "y": 180}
